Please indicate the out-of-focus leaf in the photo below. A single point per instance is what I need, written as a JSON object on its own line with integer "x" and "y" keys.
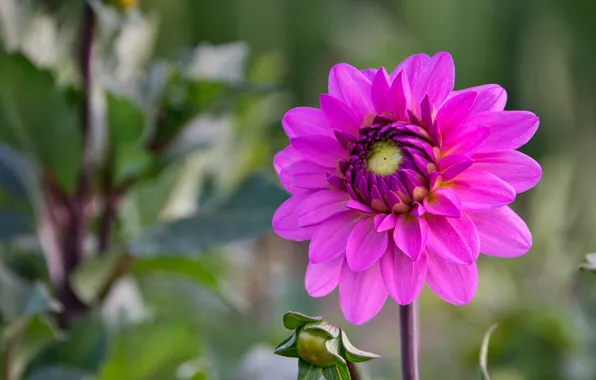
{"x": 193, "y": 269}
{"x": 307, "y": 371}
{"x": 40, "y": 300}
{"x": 91, "y": 280}
{"x": 14, "y": 223}
{"x": 337, "y": 372}
{"x": 590, "y": 263}
{"x": 247, "y": 213}
{"x": 17, "y": 177}
{"x": 36, "y": 118}
{"x": 484, "y": 353}
{"x": 59, "y": 373}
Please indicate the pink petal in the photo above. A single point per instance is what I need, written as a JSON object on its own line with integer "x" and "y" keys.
{"x": 286, "y": 158}
{"x": 509, "y": 129}
{"x": 403, "y": 277}
{"x": 401, "y": 96}
{"x": 480, "y": 190}
{"x": 388, "y": 222}
{"x": 410, "y": 235}
{"x": 455, "y": 111}
{"x": 339, "y": 115}
{"x": 330, "y": 237}
{"x": 305, "y": 121}
{"x": 491, "y": 97}
{"x": 380, "y": 91}
{"x": 321, "y": 279}
{"x": 321, "y": 150}
{"x": 466, "y": 139}
{"x": 369, "y": 73}
{"x": 454, "y": 283}
{"x": 413, "y": 65}
{"x": 306, "y": 175}
{"x": 357, "y": 206}
{"x": 285, "y": 220}
{"x": 443, "y": 201}
{"x": 513, "y": 167}
{"x": 453, "y": 239}
{"x": 362, "y": 294}
{"x": 349, "y": 85}
{"x": 365, "y": 245}
{"x": 502, "y": 233}
{"x": 436, "y": 80}
{"x": 321, "y": 206}
{"x": 453, "y": 165}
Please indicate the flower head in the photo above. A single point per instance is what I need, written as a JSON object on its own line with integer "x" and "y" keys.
{"x": 399, "y": 181}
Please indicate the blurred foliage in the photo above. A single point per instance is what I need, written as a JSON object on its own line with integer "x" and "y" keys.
{"x": 185, "y": 122}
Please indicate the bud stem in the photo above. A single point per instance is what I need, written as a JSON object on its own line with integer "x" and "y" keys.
{"x": 354, "y": 374}
{"x": 408, "y": 318}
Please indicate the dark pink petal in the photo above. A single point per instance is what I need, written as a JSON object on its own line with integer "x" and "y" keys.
{"x": 339, "y": 115}
{"x": 455, "y": 111}
{"x": 466, "y": 139}
{"x": 454, "y": 283}
{"x": 365, "y": 245}
{"x": 410, "y": 235}
{"x": 306, "y": 175}
{"x": 357, "y": 206}
{"x": 286, "y": 158}
{"x": 321, "y": 206}
{"x": 380, "y": 91}
{"x": 453, "y": 239}
{"x": 403, "y": 277}
{"x": 285, "y": 220}
{"x": 451, "y": 166}
{"x": 321, "y": 279}
{"x": 443, "y": 202}
{"x": 349, "y": 85}
{"x": 400, "y": 96}
{"x": 362, "y": 294}
{"x": 509, "y": 129}
{"x": 491, "y": 97}
{"x": 369, "y": 73}
{"x": 436, "y": 80}
{"x": 321, "y": 150}
{"x": 479, "y": 190}
{"x": 305, "y": 121}
{"x": 502, "y": 233}
{"x": 513, "y": 167}
{"x": 414, "y": 65}
{"x": 330, "y": 237}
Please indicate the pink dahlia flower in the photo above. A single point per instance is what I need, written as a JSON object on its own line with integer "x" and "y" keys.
{"x": 398, "y": 181}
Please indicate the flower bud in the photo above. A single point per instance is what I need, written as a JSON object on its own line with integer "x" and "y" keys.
{"x": 312, "y": 347}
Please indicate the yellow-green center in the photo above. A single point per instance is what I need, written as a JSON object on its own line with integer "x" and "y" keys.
{"x": 384, "y": 157}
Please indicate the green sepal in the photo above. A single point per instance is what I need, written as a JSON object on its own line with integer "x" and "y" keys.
{"x": 355, "y": 355}
{"x": 337, "y": 372}
{"x": 328, "y": 328}
{"x": 293, "y": 320}
{"x": 334, "y": 348}
{"x": 287, "y": 348}
{"x": 307, "y": 371}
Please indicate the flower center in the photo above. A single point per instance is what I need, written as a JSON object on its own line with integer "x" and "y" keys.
{"x": 384, "y": 157}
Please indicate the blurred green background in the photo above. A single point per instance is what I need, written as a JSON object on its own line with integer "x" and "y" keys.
{"x": 187, "y": 101}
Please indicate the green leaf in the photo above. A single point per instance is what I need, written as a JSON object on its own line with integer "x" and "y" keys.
{"x": 31, "y": 105}
{"x": 325, "y": 326}
{"x": 293, "y": 319}
{"x": 39, "y": 300}
{"x": 14, "y": 223}
{"x": 355, "y": 355}
{"x": 307, "y": 371}
{"x": 16, "y": 173}
{"x": 194, "y": 269}
{"x": 484, "y": 353}
{"x": 335, "y": 348}
{"x": 247, "y": 213}
{"x": 337, "y": 372}
{"x": 287, "y": 348}
{"x": 59, "y": 373}
{"x": 91, "y": 280}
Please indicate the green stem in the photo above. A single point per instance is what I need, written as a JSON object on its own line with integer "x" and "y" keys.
{"x": 354, "y": 374}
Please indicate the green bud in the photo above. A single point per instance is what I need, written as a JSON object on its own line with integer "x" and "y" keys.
{"x": 312, "y": 347}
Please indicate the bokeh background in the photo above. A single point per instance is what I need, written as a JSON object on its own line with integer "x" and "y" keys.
{"x": 209, "y": 283}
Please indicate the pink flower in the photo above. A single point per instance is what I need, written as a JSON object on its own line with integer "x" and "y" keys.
{"x": 399, "y": 181}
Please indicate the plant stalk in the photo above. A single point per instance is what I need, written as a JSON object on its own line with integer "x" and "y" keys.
{"x": 354, "y": 374}
{"x": 409, "y": 334}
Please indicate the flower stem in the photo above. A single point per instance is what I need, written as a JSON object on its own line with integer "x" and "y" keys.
{"x": 354, "y": 374}
{"x": 408, "y": 318}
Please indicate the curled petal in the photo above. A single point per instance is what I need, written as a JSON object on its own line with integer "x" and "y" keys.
{"x": 436, "y": 80}
{"x": 365, "y": 245}
{"x": 513, "y": 167}
{"x": 349, "y": 85}
{"x": 410, "y": 235}
{"x": 413, "y": 65}
{"x": 330, "y": 237}
{"x": 444, "y": 202}
{"x": 453, "y": 239}
{"x": 400, "y": 96}
{"x": 502, "y": 232}
{"x": 357, "y": 206}
{"x": 285, "y": 220}
{"x": 321, "y": 279}
{"x": 455, "y": 111}
{"x": 321, "y": 150}
{"x": 305, "y": 121}
{"x": 451, "y": 166}
{"x": 454, "y": 283}
{"x": 380, "y": 91}
{"x": 362, "y": 294}
{"x": 321, "y": 206}
{"x": 403, "y": 277}
{"x": 387, "y": 223}
{"x": 339, "y": 115}
{"x": 480, "y": 190}
{"x": 509, "y": 129}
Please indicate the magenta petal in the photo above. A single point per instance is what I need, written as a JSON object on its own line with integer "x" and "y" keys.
{"x": 365, "y": 245}
{"x": 453, "y": 239}
{"x": 491, "y": 97}
{"x": 339, "y": 115}
{"x": 403, "y": 277}
{"x": 306, "y": 175}
{"x": 480, "y": 190}
{"x": 321, "y": 150}
{"x": 509, "y": 129}
{"x": 321, "y": 279}
{"x": 286, "y": 158}
{"x": 444, "y": 202}
{"x": 349, "y": 85}
{"x": 285, "y": 220}
{"x": 454, "y": 283}
{"x": 410, "y": 235}
{"x": 369, "y": 73}
{"x": 413, "y": 65}
{"x": 362, "y": 294}
{"x": 380, "y": 91}
{"x": 466, "y": 139}
{"x": 330, "y": 237}
{"x": 513, "y": 167}
{"x": 400, "y": 96}
{"x": 321, "y": 206}
{"x": 305, "y": 121}
{"x": 388, "y": 223}
{"x": 436, "y": 80}
{"x": 451, "y": 166}
{"x": 357, "y": 206}
{"x": 455, "y": 111}
{"x": 502, "y": 233}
